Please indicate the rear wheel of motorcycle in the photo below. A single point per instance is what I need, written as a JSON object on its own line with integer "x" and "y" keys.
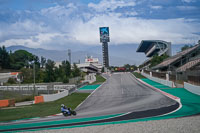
{"x": 74, "y": 112}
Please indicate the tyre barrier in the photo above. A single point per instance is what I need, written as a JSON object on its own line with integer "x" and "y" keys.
{"x": 7, "y": 103}
{"x": 38, "y": 99}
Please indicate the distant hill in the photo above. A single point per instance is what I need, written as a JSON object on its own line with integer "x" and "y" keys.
{"x": 118, "y": 54}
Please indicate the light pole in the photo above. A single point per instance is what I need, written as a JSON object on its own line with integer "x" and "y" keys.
{"x": 34, "y": 78}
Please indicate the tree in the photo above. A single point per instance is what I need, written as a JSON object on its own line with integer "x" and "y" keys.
{"x": 186, "y": 47}
{"x": 20, "y": 59}
{"x": 36, "y": 60}
{"x": 27, "y": 75}
{"x": 64, "y": 71}
{"x": 43, "y": 61}
{"x": 66, "y": 68}
{"x": 4, "y": 58}
{"x": 157, "y": 59}
{"x": 76, "y": 71}
{"x": 49, "y": 71}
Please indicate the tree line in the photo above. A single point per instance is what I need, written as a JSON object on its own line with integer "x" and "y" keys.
{"x": 45, "y": 70}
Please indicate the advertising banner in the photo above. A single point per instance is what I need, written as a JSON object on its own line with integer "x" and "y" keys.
{"x": 104, "y": 34}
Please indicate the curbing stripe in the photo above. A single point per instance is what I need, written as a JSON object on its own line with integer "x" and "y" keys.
{"x": 164, "y": 93}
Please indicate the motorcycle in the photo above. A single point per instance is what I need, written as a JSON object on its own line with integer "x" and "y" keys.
{"x": 71, "y": 112}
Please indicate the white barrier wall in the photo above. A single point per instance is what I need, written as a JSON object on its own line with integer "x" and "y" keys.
{"x": 192, "y": 88}
{"x": 162, "y": 81}
{"x": 20, "y": 87}
{"x": 90, "y": 78}
{"x": 37, "y": 87}
{"x": 53, "y": 97}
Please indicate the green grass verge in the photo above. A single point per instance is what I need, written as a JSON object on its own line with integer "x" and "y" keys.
{"x": 14, "y": 95}
{"x": 42, "y": 109}
{"x": 99, "y": 80}
{"x": 138, "y": 75}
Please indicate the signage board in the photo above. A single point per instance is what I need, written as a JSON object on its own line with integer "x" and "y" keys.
{"x": 104, "y": 34}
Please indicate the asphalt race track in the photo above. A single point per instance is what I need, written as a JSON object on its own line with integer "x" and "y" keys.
{"x": 120, "y": 94}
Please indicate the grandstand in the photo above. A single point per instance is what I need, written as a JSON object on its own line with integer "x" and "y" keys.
{"x": 190, "y": 65}
{"x": 181, "y": 61}
{"x": 154, "y": 47}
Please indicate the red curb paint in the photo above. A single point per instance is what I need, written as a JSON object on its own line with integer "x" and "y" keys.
{"x": 167, "y": 94}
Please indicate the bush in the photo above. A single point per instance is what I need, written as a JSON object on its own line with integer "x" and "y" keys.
{"x": 65, "y": 79}
{"x": 12, "y": 81}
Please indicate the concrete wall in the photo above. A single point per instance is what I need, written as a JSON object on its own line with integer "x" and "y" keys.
{"x": 90, "y": 78}
{"x": 192, "y": 88}
{"x": 162, "y": 81}
{"x": 53, "y": 97}
{"x": 37, "y": 87}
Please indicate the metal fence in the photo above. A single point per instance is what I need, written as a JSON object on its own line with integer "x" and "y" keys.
{"x": 147, "y": 72}
{"x": 37, "y": 89}
{"x": 194, "y": 80}
{"x": 159, "y": 75}
{"x": 192, "y": 77}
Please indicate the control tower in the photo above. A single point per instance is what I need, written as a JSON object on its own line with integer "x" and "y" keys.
{"x": 104, "y": 39}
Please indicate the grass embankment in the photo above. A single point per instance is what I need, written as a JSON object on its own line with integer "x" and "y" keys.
{"x": 14, "y": 95}
{"x": 138, "y": 75}
{"x": 99, "y": 80}
{"x": 42, "y": 109}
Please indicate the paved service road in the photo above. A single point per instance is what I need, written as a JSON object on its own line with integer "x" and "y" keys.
{"x": 122, "y": 93}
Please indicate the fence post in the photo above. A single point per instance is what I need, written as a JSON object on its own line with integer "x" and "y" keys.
{"x": 150, "y": 74}
{"x": 167, "y": 76}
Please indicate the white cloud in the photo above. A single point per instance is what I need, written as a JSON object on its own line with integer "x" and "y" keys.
{"x": 51, "y": 31}
{"x": 110, "y": 5}
{"x": 188, "y": 1}
{"x": 133, "y": 13}
{"x": 156, "y": 7}
{"x": 186, "y": 7}
{"x": 133, "y": 30}
{"x": 58, "y": 11}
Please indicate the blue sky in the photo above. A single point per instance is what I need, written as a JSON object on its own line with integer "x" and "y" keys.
{"x": 53, "y": 24}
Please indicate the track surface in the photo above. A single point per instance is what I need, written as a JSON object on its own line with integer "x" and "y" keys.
{"x": 121, "y": 93}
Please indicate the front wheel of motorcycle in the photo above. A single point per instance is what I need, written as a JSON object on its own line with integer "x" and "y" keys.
{"x": 74, "y": 112}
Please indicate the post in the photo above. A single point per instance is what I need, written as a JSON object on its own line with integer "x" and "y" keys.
{"x": 34, "y": 78}
{"x": 151, "y": 74}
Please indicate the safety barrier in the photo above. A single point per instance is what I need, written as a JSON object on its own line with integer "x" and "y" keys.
{"x": 7, "y": 103}
{"x": 162, "y": 81}
{"x": 37, "y": 87}
{"x": 192, "y": 88}
{"x": 38, "y": 99}
{"x": 53, "y": 97}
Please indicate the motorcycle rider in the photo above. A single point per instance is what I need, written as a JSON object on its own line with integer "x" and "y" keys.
{"x": 64, "y": 109}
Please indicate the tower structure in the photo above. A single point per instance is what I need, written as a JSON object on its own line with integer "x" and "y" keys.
{"x": 69, "y": 55}
{"x": 104, "y": 39}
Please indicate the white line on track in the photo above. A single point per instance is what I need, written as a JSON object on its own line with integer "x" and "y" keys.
{"x": 89, "y": 95}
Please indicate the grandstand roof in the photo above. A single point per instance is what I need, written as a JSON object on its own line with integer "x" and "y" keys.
{"x": 146, "y": 44}
{"x": 174, "y": 58}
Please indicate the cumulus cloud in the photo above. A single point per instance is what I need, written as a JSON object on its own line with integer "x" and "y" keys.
{"x": 69, "y": 24}
{"x": 188, "y": 1}
{"x": 110, "y": 5}
{"x": 133, "y": 30}
{"x": 156, "y": 7}
{"x": 186, "y": 7}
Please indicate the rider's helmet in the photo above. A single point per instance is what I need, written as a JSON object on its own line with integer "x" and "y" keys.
{"x": 62, "y": 105}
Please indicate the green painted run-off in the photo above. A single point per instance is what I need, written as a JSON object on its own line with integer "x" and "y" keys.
{"x": 89, "y": 87}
